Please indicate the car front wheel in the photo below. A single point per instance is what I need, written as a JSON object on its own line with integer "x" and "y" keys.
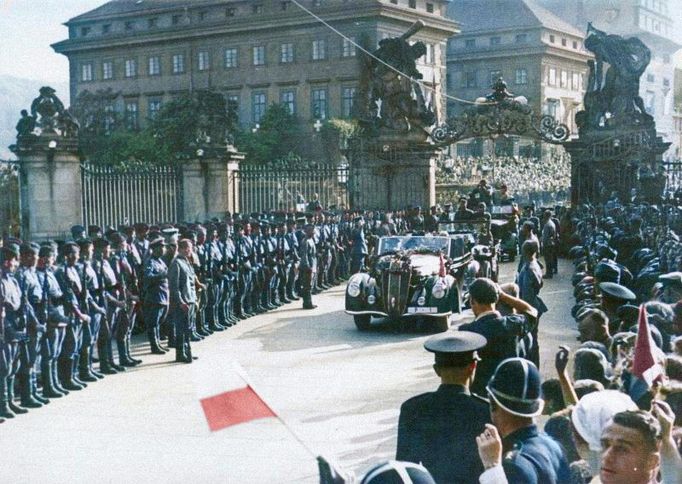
{"x": 362, "y": 321}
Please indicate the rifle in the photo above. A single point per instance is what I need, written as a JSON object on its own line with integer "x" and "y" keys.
{"x": 2, "y": 312}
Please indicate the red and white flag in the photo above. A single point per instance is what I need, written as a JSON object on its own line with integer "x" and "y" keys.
{"x": 226, "y": 397}
{"x": 645, "y": 368}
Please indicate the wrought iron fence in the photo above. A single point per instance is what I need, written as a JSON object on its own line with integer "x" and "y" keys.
{"x": 113, "y": 196}
{"x": 673, "y": 179}
{"x": 9, "y": 200}
{"x": 287, "y": 188}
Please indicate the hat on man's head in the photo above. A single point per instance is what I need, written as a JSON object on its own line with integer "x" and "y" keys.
{"x": 594, "y": 411}
{"x": 29, "y": 248}
{"x": 398, "y": 472}
{"x": 616, "y": 291}
{"x": 455, "y": 348}
{"x": 607, "y": 271}
{"x": 101, "y": 243}
{"x": 77, "y": 231}
{"x": 8, "y": 252}
{"x": 516, "y": 387}
{"x": 157, "y": 242}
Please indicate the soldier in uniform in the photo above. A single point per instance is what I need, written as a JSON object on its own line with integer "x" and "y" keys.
{"x": 308, "y": 268}
{"x": 29, "y": 348}
{"x": 228, "y": 275}
{"x": 269, "y": 250}
{"x": 96, "y": 311}
{"x": 183, "y": 299}
{"x": 292, "y": 256}
{"x": 439, "y": 429}
{"x": 140, "y": 240}
{"x": 73, "y": 286}
{"x": 52, "y": 310}
{"x": 244, "y": 247}
{"x": 108, "y": 299}
{"x": 358, "y": 251}
{"x": 10, "y": 334}
{"x": 155, "y": 294}
{"x": 515, "y": 402}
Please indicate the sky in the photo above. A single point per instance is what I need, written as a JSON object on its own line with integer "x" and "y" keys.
{"x": 28, "y": 28}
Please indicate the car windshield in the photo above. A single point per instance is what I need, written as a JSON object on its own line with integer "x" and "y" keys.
{"x": 463, "y": 227}
{"x": 414, "y": 243}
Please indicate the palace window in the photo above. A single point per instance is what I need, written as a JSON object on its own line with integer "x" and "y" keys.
{"x": 319, "y": 104}
{"x": 288, "y": 100}
{"x": 319, "y": 49}
{"x": 347, "y": 100}
{"x": 86, "y": 72}
{"x": 521, "y": 76}
{"x": 107, "y": 70}
{"x": 130, "y": 68}
{"x": 259, "y": 55}
{"x": 131, "y": 117}
{"x": 286, "y": 53}
{"x": 178, "y": 63}
{"x": 259, "y": 105}
{"x": 155, "y": 66}
{"x": 204, "y": 61}
{"x": 348, "y": 49}
{"x": 231, "y": 59}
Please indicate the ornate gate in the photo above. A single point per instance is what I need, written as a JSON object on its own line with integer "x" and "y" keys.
{"x": 9, "y": 201}
{"x": 113, "y": 196}
{"x": 290, "y": 188}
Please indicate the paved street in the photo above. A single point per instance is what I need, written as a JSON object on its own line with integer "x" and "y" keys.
{"x": 336, "y": 390}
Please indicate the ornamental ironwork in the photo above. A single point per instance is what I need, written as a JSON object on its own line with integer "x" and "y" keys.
{"x": 498, "y": 114}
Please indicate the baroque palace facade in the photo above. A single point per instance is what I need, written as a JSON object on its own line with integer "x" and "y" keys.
{"x": 255, "y": 52}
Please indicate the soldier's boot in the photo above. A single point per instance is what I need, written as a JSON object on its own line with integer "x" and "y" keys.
{"x": 123, "y": 359}
{"x": 157, "y": 337}
{"x": 10, "y": 398}
{"x": 75, "y": 363}
{"x": 91, "y": 361}
{"x": 104, "y": 359}
{"x": 55, "y": 377}
{"x": 25, "y": 393}
{"x": 5, "y": 411}
{"x": 49, "y": 390}
{"x": 180, "y": 350}
{"x": 110, "y": 355}
{"x": 153, "y": 343}
{"x": 201, "y": 328}
{"x": 188, "y": 352}
{"x": 84, "y": 372}
{"x": 65, "y": 371}
{"x": 137, "y": 361}
{"x": 34, "y": 388}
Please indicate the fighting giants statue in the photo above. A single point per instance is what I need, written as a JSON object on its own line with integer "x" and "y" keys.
{"x": 617, "y": 149}
{"x": 612, "y": 98}
{"x": 388, "y": 100}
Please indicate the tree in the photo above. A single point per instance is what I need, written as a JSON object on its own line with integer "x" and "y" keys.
{"x": 279, "y": 136}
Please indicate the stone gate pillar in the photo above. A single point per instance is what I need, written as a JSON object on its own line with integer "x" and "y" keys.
{"x": 49, "y": 184}
{"x": 210, "y": 185}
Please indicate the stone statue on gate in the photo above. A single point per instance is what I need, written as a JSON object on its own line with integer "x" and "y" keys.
{"x": 26, "y": 125}
{"x": 48, "y": 106}
{"x": 390, "y": 100}
{"x": 612, "y": 93}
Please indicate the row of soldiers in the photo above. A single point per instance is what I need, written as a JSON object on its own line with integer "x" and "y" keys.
{"x": 64, "y": 306}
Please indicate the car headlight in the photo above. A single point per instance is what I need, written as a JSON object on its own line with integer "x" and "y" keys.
{"x": 438, "y": 291}
{"x": 371, "y": 299}
{"x": 421, "y": 301}
{"x": 353, "y": 289}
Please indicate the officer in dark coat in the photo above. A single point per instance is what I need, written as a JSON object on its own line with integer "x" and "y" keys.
{"x": 308, "y": 256}
{"x": 530, "y": 456}
{"x": 156, "y": 296}
{"x": 439, "y": 429}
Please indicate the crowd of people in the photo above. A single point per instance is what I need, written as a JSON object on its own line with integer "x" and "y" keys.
{"x": 68, "y": 308}
{"x": 544, "y": 181}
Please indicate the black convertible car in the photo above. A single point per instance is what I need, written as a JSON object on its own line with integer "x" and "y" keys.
{"x": 410, "y": 276}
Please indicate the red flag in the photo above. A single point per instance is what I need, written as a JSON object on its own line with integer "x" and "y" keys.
{"x": 441, "y": 270}
{"x": 644, "y": 365}
{"x": 234, "y": 407}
